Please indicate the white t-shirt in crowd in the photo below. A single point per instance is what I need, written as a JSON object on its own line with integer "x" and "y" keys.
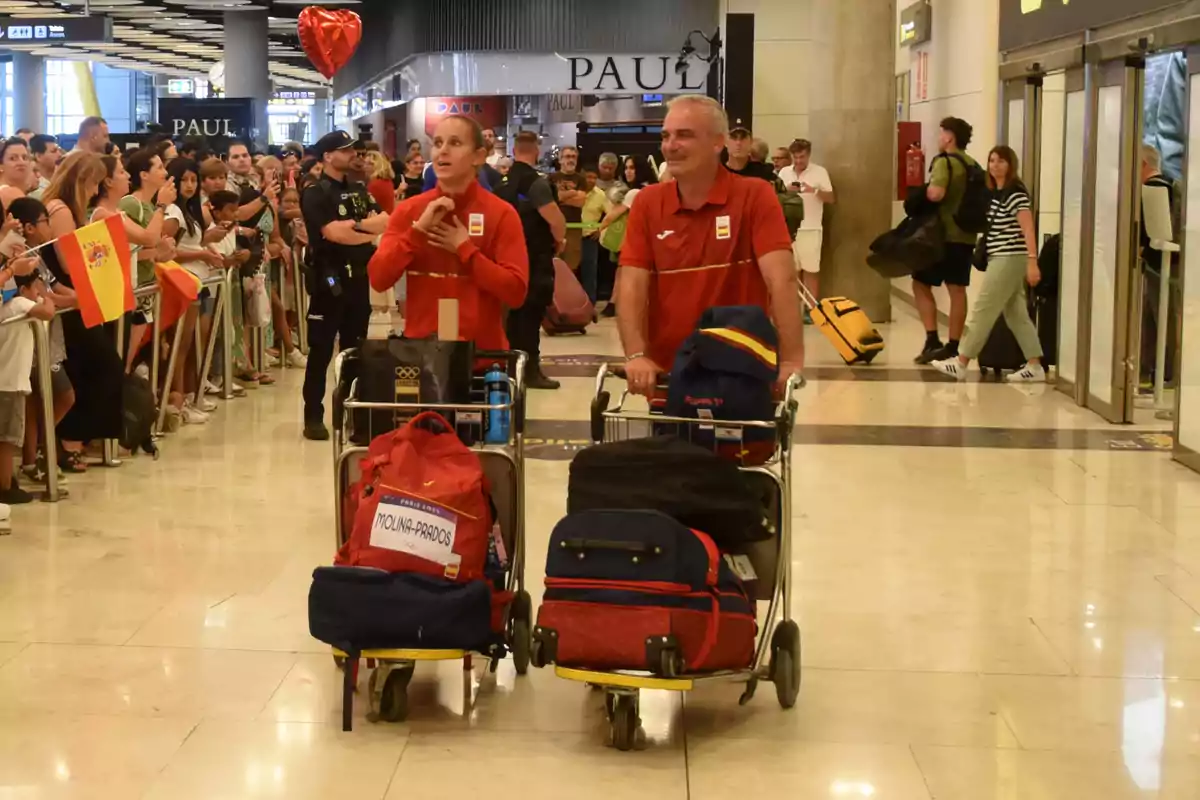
{"x": 16, "y": 348}
{"x": 814, "y": 209}
{"x": 189, "y": 241}
{"x": 228, "y": 245}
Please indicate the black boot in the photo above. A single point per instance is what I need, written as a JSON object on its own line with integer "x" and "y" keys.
{"x": 536, "y": 379}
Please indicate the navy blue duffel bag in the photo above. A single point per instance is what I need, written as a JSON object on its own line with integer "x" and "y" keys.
{"x": 361, "y": 608}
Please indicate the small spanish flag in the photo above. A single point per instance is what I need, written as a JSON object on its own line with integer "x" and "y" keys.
{"x": 97, "y": 258}
{"x": 179, "y": 289}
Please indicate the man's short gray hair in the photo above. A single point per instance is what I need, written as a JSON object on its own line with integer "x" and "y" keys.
{"x": 1151, "y": 157}
{"x": 717, "y": 115}
{"x": 759, "y": 150}
{"x": 609, "y": 158}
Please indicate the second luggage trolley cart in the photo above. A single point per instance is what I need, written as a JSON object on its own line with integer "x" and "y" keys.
{"x": 777, "y": 652}
{"x": 503, "y": 464}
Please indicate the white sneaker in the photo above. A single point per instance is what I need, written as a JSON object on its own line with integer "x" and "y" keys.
{"x": 297, "y": 359}
{"x": 193, "y": 416}
{"x": 272, "y": 361}
{"x": 1030, "y": 373}
{"x": 238, "y": 390}
{"x": 211, "y": 388}
{"x": 142, "y": 371}
{"x": 204, "y": 404}
{"x": 951, "y": 367}
{"x": 5, "y": 519}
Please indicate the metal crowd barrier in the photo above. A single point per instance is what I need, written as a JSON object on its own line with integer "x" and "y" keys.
{"x": 41, "y": 338}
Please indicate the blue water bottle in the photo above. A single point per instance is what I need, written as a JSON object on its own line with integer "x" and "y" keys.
{"x": 496, "y": 382}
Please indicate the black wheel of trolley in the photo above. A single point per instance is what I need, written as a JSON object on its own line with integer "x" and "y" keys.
{"x": 785, "y": 662}
{"x": 670, "y": 663}
{"x": 868, "y": 357}
{"x": 624, "y": 722}
{"x": 393, "y": 701}
{"x": 537, "y": 654}
{"x": 520, "y": 627}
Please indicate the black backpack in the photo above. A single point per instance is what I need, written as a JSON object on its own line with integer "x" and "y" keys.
{"x": 137, "y": 407}
{"x": 972, "y": 213}
{"x": 680, "y": 479}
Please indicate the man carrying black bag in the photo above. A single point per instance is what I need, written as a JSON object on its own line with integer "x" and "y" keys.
{"x": 545, "y": 236}
{"x": 342, "y": 220}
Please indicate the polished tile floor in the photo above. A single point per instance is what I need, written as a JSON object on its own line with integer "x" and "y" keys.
{"x": 980, "y": 622}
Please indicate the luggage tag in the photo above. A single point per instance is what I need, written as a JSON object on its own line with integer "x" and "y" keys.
{"x": 498, "y": 542}
{"x": 706, "y": 415}
{"x": 741, "y": 566}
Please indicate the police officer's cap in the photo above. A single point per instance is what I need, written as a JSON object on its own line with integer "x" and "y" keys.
{"x": 334, "y": 140}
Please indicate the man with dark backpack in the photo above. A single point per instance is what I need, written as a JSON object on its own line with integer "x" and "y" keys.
{"x": 958, "y": 184}
{"x": 545, "y": 236}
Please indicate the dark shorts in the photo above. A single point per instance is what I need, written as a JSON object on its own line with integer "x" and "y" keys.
{"x": 954, "y": 269}
{"x": 60, "y": 383}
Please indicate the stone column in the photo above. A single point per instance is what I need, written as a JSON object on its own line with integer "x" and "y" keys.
{"x": 851, "y": 109}
{"x": 29, "y": 91}
{"x": 246, "y": 70}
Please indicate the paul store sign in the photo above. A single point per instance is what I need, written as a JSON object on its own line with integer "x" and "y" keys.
{"x": 475, "y": 74}
{"x": 231, "y": 117}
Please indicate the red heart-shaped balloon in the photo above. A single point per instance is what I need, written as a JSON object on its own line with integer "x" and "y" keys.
{"x": 329, "y": 37}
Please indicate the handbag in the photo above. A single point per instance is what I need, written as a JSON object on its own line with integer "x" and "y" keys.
{"x": 401, "y": 370}
{"x": 257, "y": 307}
{"x": 612, "y": 237}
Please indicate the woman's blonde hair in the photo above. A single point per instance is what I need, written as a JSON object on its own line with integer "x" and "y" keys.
{"x": 380, "y": 167}
{"x": 73, "y": 174}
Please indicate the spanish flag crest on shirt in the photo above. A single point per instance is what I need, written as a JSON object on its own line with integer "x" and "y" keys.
{"x": 97, "y": 258}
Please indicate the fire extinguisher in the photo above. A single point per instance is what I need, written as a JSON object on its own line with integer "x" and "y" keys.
{"x": 914, "y": 165}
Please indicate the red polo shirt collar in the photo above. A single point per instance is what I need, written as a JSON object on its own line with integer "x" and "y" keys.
{"x": 718, "y": 194}
{"x": 467, "y": 197}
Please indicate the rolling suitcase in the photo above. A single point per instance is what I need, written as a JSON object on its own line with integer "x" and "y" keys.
{"x": 637, "y": 590}
{"x": 845, "y": 325}
{"x": 571, "y": 311}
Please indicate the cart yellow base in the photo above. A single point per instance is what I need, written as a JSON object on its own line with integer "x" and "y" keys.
{"x": 407, "y": 655}
{"x": 625, "y": 680}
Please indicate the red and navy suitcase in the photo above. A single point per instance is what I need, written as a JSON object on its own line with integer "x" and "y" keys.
{"x": 637, "y": 590}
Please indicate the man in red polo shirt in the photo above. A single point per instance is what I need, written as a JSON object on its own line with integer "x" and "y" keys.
{"x": 456, "y": 241}
{"x": 707, "y": 238}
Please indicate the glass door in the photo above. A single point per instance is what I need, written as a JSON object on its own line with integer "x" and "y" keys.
{"x": 1187, "y": 393}
{"x": 1077, "y": 230}
{"x": 1113, "y": 290}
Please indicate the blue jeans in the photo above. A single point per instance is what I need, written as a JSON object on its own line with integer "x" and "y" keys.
{"x": 588, "y": 266}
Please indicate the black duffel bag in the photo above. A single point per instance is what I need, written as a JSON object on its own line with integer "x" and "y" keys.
{"x": 399, "y": 370}
{"x": 359, "y": 608}
{"x": 680, "y": 479}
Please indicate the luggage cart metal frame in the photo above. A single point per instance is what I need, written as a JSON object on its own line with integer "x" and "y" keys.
{"x": 777, "y": 651}
{"x": 392, "y": 669}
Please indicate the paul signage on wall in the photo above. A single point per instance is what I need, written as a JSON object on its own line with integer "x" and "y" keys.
{"x": 230, "y": 117}
{"x": 487, "y": 111}
{"x": 600, "y": 74}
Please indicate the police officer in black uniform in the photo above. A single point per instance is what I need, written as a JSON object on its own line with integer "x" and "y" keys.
{"x": 343, "y": 221}
{"x": 545, "y": 236}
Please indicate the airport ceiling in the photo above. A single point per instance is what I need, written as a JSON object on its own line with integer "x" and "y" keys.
{"x": 178, "y": 37}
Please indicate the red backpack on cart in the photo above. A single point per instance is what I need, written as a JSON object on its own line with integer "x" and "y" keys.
{"x": 421, "y": 505}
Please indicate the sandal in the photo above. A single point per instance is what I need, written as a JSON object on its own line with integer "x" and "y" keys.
{"x": 72, "y": 461}
{"x": 265, "y": 380}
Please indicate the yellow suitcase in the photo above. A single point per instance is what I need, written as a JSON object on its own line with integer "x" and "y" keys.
{"x": 846, "y": 326}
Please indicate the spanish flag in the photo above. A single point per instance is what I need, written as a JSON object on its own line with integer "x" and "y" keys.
{"x": 179, "y": 288}
{"x": 97, "y": 258}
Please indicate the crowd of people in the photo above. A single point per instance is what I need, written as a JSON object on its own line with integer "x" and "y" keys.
{"x": 177, "y": 202}
{"x": 253, "y": 214}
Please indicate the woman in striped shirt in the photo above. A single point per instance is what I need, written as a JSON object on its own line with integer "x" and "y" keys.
{"x": 1011, "y": 264}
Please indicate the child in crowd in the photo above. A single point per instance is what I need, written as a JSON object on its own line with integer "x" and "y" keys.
{"x": 35, "y": 228}
{"x": 224, "y": 207}
{"x": 214, "y": 175}
{"x": 16, "y": 363}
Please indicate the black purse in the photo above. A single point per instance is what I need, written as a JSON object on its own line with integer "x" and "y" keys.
{"x": 399, "y": 370}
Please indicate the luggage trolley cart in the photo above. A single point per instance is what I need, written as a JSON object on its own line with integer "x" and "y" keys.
{"x": 777, "y": 652}
{"x": 503, "y": 464}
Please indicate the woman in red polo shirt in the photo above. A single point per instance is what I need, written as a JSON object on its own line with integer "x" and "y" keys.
{"x": 456, "y": 241}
